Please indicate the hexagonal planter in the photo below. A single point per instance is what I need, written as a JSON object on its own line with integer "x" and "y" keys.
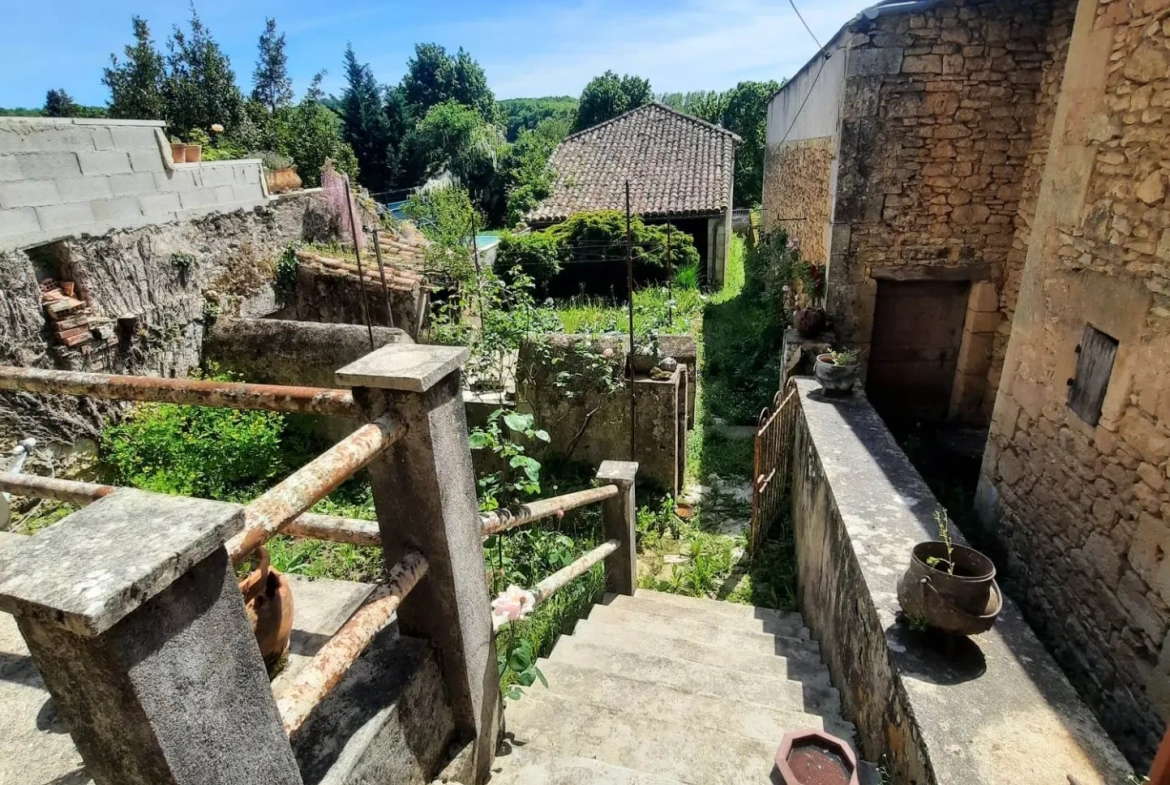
{"x": 812, "y": 757}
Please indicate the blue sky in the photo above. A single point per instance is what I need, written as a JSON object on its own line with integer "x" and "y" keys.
{"x": 526, "y": 48}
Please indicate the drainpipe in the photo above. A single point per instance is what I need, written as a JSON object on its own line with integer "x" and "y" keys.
{"x": 20, "y": 455}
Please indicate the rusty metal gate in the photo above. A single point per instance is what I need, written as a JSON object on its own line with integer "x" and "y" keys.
{"x": 773, "y": 462}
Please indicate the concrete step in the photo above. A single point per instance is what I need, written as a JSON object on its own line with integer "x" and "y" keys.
{"x": 720, "y": 683}
{"x": 711, "y": 634}
{"x": 528, "y": 765}
{"x": 678, "y": 750}
{"x": 803, "y": 666}
{"x": 789, "y": 625}
{"x": 636, "y": 694}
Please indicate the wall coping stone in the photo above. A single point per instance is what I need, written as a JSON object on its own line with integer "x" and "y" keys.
{"x": 92, "y": 569}
{"x": 405, "y": 367}
{"x": 85, "y": 121}
{"x": 998, "y": 709}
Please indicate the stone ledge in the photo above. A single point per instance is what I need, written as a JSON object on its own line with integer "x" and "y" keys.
{"x": 996, "y": 708}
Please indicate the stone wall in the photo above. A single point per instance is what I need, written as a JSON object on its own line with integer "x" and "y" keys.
{"x": 66, "y": 177}
{"x": 988, "y": 710}
{"x": 797, "y": 194}
{"x": 1084, "y": 510}
{"x": 337, "y": 295}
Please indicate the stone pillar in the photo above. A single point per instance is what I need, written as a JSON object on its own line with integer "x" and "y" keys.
{"x": 620, "y": 514}
{"x": 424, "y": 493}
{"x": 132, "y": 614}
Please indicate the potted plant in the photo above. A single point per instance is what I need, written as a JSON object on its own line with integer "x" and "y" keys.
{"x": 949, "y": 587}
{"x": 837, "y": 371}
{"x": 178, "y": 150}
{"x": 193, "y": 153}
{"x": 280, "y": 173}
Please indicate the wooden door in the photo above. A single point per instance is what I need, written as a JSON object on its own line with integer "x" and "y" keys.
{"x": 917, "y": 331}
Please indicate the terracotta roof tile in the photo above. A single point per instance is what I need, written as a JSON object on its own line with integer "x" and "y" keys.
{"x": 677, "y": 166}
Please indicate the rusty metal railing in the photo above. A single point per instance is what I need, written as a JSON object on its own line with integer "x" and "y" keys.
{"x": 502, "y": 520}
{"x": 195, "y": 392}
{"x": 330, "y": 528}
{"x": 318, "y": 678}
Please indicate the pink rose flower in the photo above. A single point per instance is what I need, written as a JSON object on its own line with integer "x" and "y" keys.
{"x": 513, "y": 603}
{"x": 607, "y": 354}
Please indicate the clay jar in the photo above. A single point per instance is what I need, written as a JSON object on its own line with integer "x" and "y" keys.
{"x": 269, "y": 604}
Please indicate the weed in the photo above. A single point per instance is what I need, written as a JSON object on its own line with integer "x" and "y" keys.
{"x": 183, "y": 262}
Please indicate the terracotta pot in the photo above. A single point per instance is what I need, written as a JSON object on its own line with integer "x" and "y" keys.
{"x": 178, "y": 152}
{"x": 813, "y": 757}
{"x": 283, "y": 180}
{"x": 193, "y": 153}
{"x": 835, "y": 379}
{"x": 809, "y": 322}
{"x": 269, "y": 604}
{"x": 964, "y": 603}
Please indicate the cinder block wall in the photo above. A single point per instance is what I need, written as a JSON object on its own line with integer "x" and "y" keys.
{"x": 66, "y": 177}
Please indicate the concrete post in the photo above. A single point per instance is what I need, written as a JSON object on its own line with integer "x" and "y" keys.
{"x": 620, "y": 515}
{"x": 132, "y": 614}
{"x": 424, "y": 494}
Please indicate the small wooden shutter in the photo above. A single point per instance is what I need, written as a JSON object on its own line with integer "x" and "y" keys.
{"x": 1086, "y": 395}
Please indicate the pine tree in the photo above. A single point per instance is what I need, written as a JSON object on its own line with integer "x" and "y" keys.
{"x": 367, "y": 128}
{"x": 271, "y": 83}
{"x": 136, "y": 84}
{"x": 59, "y": 104}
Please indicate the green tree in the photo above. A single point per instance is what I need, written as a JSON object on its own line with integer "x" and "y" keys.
{"x": 201, "y": 87}
{"x": 59, "y": 104}
{"x": 271, "y": 85}
{"x": 704, "y": 104}
{"x": 455, "y": 138}
{"x": 527, "y": 177}
{"x": 610, "y": 95}
{"x": 367, "y": 129}
{"x": 519, "y": 114}
{"x": 434, "y": 77}
{"x": 137, "y": 83}
{"x": 745, "y": 112}
{"x": 314, "y": 134}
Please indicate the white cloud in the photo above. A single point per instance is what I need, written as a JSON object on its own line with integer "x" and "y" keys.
{"x": 702, "y": 44}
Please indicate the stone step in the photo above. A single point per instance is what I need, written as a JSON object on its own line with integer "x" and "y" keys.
{"x": 678, "y": 750}
{"x": 638, "y": 694}
{"x": 718, "y": 682}
{"x": 750, "y": 618}
{"x": 528, "y": 765}
{"x": 803, "y": 666}
{"x": 711, "y": 634}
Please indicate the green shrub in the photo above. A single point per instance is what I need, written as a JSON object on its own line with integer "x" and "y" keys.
{"x": 535, "y": 253}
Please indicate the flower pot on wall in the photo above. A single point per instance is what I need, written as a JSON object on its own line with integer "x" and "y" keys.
{"x": 193, "y": 153}
{"x": 178, "y": 152}
{"x": 962, "y": 601}
{"x": 809, "y": 322}
{"x": 836, "y": 379}
{"x": 283, "y": 180}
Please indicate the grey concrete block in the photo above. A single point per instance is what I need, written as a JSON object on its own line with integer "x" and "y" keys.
{"x": 100, "y": 564}
{"x": 102, "y": 138}
{"x": 246, "y": 193}
{"x": 48, "y": 166}
{"x": 224, "y": 194}
{"x": 112, "y": 122}
{"x": 133, "y": 137}
{"x": 9, "y": 168}
{"x": 28, "y": 193}
{"x": 252, "y": 175}
{"x": 80, "y": 189}
{"x": 216, "y": 174}
{"x": 197, "y": 198}
{"x": 41, "y": 137}
{"x": 403, "y": 367}
{"x": 20, "y": 221}
{"x": 176, "y": 180}
{"x": 137, "y": 184}
{"x": 160, "y": 205}
{"x": 148, "y": 160}
{"x": 64, "y": 216}
{"x": 119, "y": 210}
{"x": 104, "y": 162}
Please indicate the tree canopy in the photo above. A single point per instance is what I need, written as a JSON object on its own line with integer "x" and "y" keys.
{"x": 136, "y": 83}
{"x": 59, "y": 104}
{"x": 271, "y": 84}
{"x": 434, "y": 77}
{"x": 610, "y": 95}
{"x": 367, "y": 129}
{"x": 200, "y": 86}
{"x": 521, "y": 114}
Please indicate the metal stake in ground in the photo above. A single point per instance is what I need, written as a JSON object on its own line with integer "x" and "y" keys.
{"x": 357, "y": 251}
{"x": 630, "y": 288}
{"x": 669, "y": 281}
{"x": 382, "y": 275}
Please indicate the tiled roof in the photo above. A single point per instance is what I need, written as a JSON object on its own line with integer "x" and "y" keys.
{"x": 677, "y": 166}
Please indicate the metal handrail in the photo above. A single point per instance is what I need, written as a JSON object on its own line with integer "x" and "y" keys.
{"x": 318, "y": 678}
{"x": 566, "y": 575}
{"x": 195, "y": 392}
{"x": 502, "y": 520}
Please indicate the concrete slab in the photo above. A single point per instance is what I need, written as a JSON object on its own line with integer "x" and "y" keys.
{"x": 405, "y": 367}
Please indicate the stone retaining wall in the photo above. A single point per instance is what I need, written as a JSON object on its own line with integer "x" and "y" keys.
{"x": 68, "y": 177}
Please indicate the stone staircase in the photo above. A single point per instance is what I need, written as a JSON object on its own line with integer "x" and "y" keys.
{"x": 659, "y": 689}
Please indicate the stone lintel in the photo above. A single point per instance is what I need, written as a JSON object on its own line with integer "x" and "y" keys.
{"x": 404, "y": 367}
{"x": 921, "y": 272}
{"x": 92, "y": 569}
{"x": 618, "y": 472}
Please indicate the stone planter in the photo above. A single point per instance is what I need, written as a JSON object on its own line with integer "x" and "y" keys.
{"x": 964, "y": 603}
{"x": 836, "y": 379}
{"x": 193, "y": 153}
{"x": 813, "y": 757}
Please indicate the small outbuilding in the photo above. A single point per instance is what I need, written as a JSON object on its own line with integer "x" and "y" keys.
{"x": 679, "y": 169}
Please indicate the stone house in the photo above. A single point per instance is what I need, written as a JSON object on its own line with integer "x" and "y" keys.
{"x": 986, "y": 182}
{"x": 679, "y": 169}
